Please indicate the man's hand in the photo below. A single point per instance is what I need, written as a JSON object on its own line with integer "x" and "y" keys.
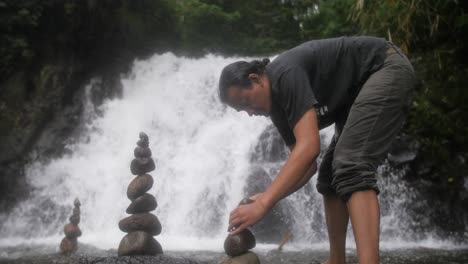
{"x": 246, "y": 215}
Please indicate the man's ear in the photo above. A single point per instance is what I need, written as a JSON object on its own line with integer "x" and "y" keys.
{"x": 254, "y": 77}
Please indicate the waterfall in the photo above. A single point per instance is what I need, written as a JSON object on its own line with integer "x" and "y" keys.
{"x": 203, "y": 153}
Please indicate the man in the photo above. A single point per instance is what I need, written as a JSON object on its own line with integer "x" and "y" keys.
{"x": 362, "y": 85}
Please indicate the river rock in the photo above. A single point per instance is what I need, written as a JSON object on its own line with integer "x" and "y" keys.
{"x": 141, "y": 222}
{"x": 68, "y": 246}
{"x": 238, "y": 244}
{"x": 142, "y": 204}
{"x": 138, "y": 186}
{"x": 74, "y": 219}
{"x": 144, "y": 141}
{"x": 140, "y": 166}
{"x": 71, "y": 231}
{"x": 140, "y": 152}
{"x": 139, "y": 243}
{"x": 246, "y": 258}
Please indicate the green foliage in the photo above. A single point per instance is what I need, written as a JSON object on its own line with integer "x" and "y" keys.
{"x": 328, "y": 18}
{"x": 34, "y": 30}
{"x": 434, "y": 33}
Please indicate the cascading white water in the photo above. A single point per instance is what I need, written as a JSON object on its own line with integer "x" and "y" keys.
{"x": 201, "y": 149}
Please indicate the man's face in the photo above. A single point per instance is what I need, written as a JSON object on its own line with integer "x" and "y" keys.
{"x": 247, "y": 99}
{"x": 255, "y": 99}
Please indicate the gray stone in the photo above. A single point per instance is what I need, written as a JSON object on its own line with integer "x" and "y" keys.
{"x": 139, "y": 243}
{"x": 140, "y": 166}
{"x": 144, "y": 141}
{"x": 140, "y": 152}
{"x": 142, "y": 204}
{"x": 77, "y": 203}
{"x": 74, "y": 219}
{"x": 68, "y": 246}
{"x": 141, "y": 222}
{"x": 246, "y": 258}
{"x": 71, "y": 231}
{"x": 138, "y": 186}
{"x": 238, "y": 244}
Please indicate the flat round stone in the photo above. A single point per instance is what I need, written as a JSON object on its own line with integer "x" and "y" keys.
{"x": 71, "y": 231}
{"x": 140, "y": 166}
{"x": 139, "y": 243}
{"x": 142, "y": 204}
{"x": 141, "y": 222}
{"x": 239, "y": 244}
{"x": 138, "y": 186}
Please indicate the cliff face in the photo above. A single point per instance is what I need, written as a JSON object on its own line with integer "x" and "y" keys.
{"x": 49, "y": 50}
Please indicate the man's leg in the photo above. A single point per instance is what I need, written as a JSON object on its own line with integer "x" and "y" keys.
{"x": 364, "y": 212}
{"x": 336, "y": 214}
{"x": 374, "y": 120}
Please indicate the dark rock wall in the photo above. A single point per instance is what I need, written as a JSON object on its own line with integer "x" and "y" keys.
{"x": 49, "y": 51}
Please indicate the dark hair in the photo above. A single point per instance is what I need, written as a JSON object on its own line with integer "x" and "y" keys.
{"x": 237, "y": 74}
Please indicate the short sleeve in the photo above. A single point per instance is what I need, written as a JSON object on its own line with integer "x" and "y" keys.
{"x": 295, "y": 95}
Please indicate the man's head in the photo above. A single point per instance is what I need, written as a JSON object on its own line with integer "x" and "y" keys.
{"x": 245, "y": 86}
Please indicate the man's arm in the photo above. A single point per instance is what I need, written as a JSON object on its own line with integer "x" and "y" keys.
{"x": 291, "y": 176}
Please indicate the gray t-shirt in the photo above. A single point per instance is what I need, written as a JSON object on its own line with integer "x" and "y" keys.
{"x": 326, "y": 74}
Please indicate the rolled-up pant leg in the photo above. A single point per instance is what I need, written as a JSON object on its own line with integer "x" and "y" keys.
{"x": 374, "y": 119}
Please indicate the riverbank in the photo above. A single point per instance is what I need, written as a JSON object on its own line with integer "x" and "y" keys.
{"x": 39, "y": 254}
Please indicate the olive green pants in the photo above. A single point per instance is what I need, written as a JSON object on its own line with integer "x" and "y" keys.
{"x": 364, "y": 138}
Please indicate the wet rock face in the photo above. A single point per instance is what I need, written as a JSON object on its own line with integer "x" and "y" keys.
{"x": 139, "y": 243}
{"x": 145, "y": 222}
{"x": 140, "y": 185}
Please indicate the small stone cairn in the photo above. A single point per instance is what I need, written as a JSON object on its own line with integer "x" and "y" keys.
{"x": 240, "y": 243}
{"x": 69, "y": 243}
{"x": 141, "y": 225}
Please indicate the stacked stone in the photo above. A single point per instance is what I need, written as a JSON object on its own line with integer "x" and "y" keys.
{"x": 240, "y": 243}
{"x": 141, "y": 225}
{"x": 69, "y": 243}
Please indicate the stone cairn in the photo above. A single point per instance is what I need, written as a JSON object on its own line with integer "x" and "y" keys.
{"x": 240, "y": 243}
{"x": 69, "y": 243}
{"x": 141, "y": 225}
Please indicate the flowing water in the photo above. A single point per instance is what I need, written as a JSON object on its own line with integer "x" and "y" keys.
{"x": 204, "y": 154}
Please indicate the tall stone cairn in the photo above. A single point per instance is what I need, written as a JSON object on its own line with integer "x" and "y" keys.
{"x": 69, "y": 243}
{"x": 141, "y": 225}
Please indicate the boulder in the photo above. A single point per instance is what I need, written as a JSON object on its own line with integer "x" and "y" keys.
{"x": 139, "y": 243}
{"x": 142, "y": 204}
{"x": 138, "y": 186}
{"x": 141, "y": 222}
{"x": 140, "y": 166}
